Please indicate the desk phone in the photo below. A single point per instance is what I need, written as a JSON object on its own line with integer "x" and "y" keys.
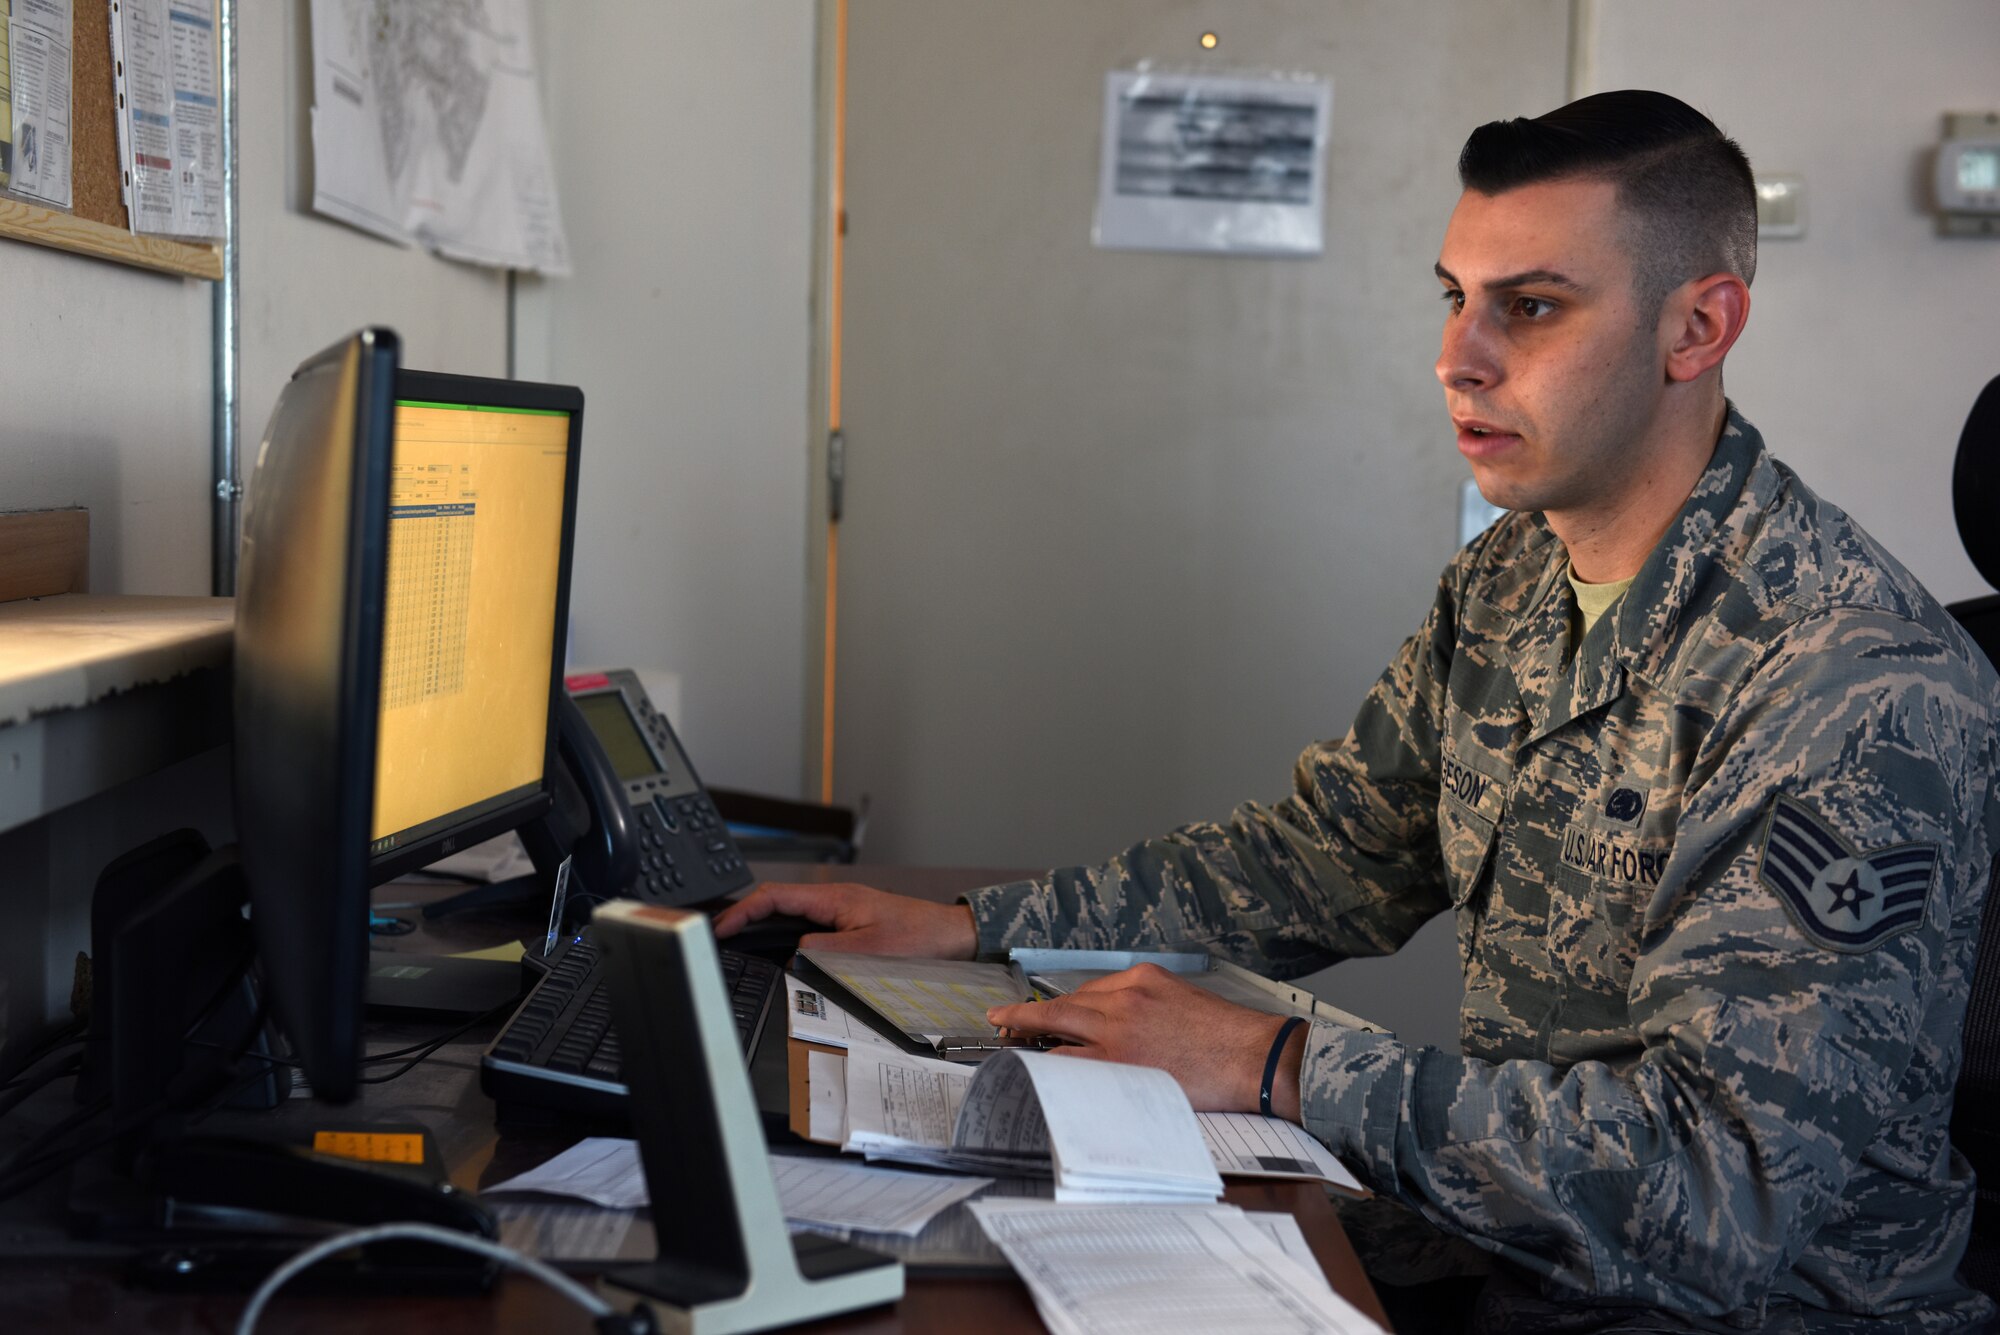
{"x": 684, "y": 854}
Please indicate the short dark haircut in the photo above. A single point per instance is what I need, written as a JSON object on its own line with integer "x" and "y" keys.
{"x": 1685, "y": 185}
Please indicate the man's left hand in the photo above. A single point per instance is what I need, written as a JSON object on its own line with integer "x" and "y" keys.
{"x": 1149, "y": 1017}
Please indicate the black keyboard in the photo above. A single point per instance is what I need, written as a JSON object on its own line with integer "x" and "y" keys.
{"x": 558, "y": 1053}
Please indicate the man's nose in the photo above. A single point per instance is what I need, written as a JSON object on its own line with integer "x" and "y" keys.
{"x": 1465, "y": 360}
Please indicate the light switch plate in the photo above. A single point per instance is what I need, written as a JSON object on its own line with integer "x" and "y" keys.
{"x": 1781, "y": 206}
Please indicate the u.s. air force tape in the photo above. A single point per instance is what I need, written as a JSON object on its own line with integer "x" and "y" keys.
{"x": 1842, "y": 897}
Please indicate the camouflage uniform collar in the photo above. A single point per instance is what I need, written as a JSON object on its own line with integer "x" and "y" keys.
{"x": 1643, "y": 634}
{"x": 1720, "y": 519}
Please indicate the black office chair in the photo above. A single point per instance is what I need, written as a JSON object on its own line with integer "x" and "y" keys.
{"x": 776, "y": 829}
{"x": 1975, "y": 497}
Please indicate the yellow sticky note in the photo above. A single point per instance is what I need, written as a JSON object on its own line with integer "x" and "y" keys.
{"x": 371, "y": 1146}
{"x": 508, "y": 952}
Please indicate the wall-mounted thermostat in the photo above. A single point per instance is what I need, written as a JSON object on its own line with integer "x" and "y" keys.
{"x": 1968, "y": 174}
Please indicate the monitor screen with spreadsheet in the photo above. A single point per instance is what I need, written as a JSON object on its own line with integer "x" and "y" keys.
{"x": 480, "y": 500}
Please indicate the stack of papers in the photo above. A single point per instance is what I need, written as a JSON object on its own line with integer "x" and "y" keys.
{"x": 1112, "y": 1132}
{"x": 1106, "y": 1270}
{"x": 887, "y": 1104}
{"x": 1105, "y": 1132}
{"x": 824, "y": 1193}
{"x": 904, "y": 1107}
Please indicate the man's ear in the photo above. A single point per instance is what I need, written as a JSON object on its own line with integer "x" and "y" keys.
{"x": 1701, "y": 321}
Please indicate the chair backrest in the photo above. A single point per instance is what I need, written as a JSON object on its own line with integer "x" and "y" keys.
{"x": 1975, "y": 484}
{"x": 1981, "y": 619}
{"x": 777, "y": 829}
{"x": 1974, "y": 1129}
{"x": 1975, "y": 502}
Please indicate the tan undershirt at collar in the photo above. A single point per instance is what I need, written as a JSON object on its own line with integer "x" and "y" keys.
{"x": 1594, "y": 600}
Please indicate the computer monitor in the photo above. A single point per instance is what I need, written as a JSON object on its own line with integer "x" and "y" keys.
{"x": 401, "y": 602}
{"x": 481, "y": 520}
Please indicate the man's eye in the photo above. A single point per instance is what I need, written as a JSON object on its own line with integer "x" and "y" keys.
{"x": 1533, "y": 308}
{"x": 1453, "y": 298}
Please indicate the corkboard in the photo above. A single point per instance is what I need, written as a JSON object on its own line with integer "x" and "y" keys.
{"x": 95, "y": 191}
{"x": 96, "y": 223}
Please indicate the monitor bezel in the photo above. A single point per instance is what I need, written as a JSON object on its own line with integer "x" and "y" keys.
{"x": 468, "y": 826}
{"x": 305, "y": 730}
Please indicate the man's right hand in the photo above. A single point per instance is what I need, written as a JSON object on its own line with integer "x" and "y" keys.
{"x": 864, "y": 920}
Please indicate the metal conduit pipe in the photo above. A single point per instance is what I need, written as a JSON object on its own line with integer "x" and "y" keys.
{"x": 225, "y": 409}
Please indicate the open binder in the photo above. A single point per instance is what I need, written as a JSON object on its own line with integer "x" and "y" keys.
{"x": 938, "y": 1007}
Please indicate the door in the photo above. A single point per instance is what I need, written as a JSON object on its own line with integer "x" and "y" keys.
{"x": 1124, "y": 531}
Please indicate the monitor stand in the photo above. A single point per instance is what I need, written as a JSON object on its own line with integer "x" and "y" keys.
{"x": 406, "y": 983}
{"x": 726, "y": 1262}
{"x": 527, "y": 888}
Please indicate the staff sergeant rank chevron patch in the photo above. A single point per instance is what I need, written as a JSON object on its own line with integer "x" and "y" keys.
{"x": 1841, "y": 897}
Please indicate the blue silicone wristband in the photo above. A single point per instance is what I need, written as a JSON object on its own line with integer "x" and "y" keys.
{"x": 1271, "y": 1062}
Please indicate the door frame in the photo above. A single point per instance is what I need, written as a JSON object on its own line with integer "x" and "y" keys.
{"x": 823, "y": 388}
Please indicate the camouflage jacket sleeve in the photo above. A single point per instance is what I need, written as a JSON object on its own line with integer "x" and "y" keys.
{"x": 1691, "y": 1173}
{"x": 1347, "y": 865}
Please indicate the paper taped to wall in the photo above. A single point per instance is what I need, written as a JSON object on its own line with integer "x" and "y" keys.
{"x": 427, "y": 128}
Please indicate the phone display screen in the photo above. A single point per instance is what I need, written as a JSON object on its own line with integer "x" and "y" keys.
{"x": 611, "y": 721}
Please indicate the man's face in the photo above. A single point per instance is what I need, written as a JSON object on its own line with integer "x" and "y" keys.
{"x": 1549, "y": 376}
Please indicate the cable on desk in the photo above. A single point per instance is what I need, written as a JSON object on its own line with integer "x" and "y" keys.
{"x": 607, "y": 1318}
{"x": 424, "y": 1050}
{"x": 25, "y": 1086}
{"x": 25, "y": 1051}
{"x": 430, "y": 1045}
{"x": 39, "y": 1159}
{"x": 187, "y": 1090}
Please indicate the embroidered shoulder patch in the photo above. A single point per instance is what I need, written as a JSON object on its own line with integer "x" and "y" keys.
{"x": 1842, "y": 897}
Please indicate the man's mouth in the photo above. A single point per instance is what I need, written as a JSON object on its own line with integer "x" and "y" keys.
{"x": 1479, "y": 439}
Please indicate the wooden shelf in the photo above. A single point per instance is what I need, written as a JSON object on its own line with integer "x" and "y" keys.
{"x": 64, "y": 231}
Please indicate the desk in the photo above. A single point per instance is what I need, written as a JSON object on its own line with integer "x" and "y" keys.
{"x": 48, "y": 1282}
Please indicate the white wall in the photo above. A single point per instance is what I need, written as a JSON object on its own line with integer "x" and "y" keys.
{"x": 104, "y": 403}
{"x": 682, "y": 138}
{"x": 1870, "y": 336}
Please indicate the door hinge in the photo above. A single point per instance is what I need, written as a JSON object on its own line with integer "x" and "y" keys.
{"x": 836, "y": 474}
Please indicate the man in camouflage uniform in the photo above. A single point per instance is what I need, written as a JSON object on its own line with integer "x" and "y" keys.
{"x": 1717, "y": 856}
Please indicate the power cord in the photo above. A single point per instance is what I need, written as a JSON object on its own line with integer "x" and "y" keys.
{"x": 429, "y": 1047}
{"x": 23, "y": 1087}
{"x": 608, "y": 1319}
{"x": 24, "y": 1052}
{"x": 43, "y": 1156}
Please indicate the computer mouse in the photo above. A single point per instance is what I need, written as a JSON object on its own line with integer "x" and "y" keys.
{"x": 776, "y": 935}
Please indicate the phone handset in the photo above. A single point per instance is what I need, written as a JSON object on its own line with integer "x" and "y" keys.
{"x": 591, "y": 819}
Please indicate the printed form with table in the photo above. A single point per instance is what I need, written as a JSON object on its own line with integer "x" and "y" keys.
{"x": 1096, "y": 1182}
